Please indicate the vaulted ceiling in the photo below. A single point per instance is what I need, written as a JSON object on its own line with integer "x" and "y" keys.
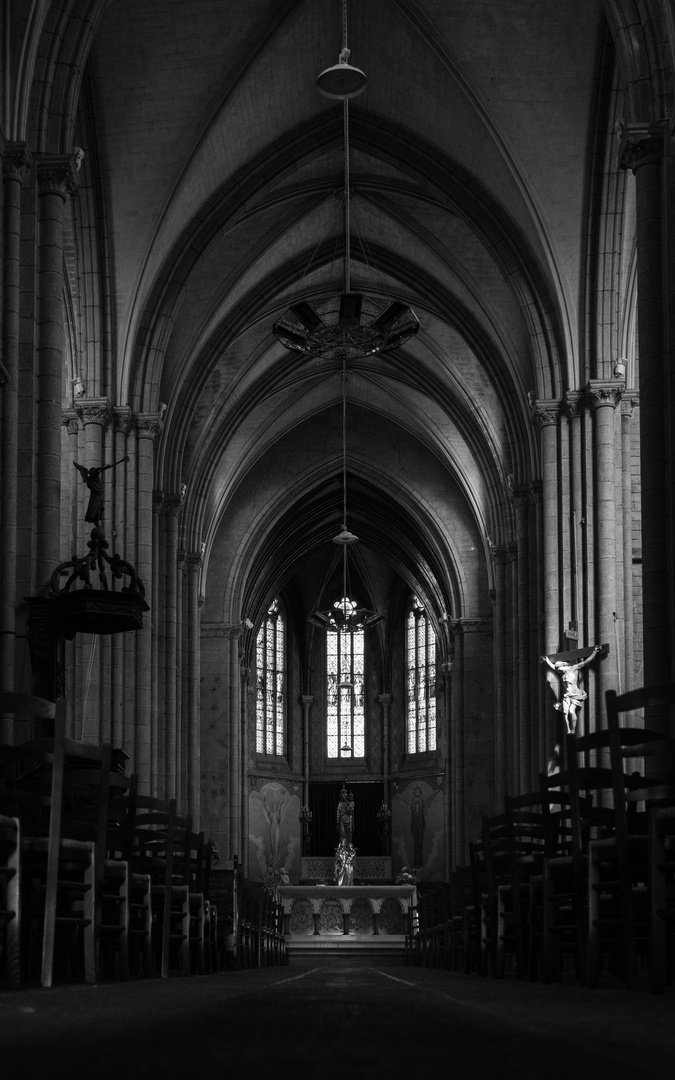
{"x": 222, "y": 172}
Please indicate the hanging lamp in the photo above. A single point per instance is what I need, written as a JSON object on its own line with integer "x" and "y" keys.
{"x": 345, "y": 614}
{"x": 352, "y": 324}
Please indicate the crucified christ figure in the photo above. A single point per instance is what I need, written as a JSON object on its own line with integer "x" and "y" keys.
{"x": 572, "y": 695}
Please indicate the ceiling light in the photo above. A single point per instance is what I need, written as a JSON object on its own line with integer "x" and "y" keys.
{"x": 349, "y": 325}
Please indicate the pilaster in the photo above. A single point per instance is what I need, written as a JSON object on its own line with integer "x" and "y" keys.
{"x": 644, "y": 150}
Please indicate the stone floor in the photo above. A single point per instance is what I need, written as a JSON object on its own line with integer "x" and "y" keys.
{"x": 336, "y": 1017}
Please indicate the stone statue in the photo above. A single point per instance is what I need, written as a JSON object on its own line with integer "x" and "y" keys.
{"x": 572, "y": 694}
{"x": 92, "y": 478}
{"x": 344, "y": 863}
{"x": 275, "y": 812}
{"x": 345, "y": 817}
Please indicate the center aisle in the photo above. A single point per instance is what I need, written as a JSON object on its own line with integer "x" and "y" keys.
{"x": 336, "y": 1018}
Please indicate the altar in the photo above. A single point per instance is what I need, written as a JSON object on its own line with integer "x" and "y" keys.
{"x": 348, "y": 918}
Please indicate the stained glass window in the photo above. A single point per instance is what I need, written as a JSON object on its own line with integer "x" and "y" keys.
{"x": 345, "y": 713}
{"x": 270, "y": 706}
{"x": 421, "y": 664}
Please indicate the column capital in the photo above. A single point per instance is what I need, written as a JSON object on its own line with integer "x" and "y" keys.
{"x": 384, "y": 699}
{"x": 122, "y": 419}
{"x": 172, "y": 503}
{"x": 94, "y": 410}
{"x": 527, "y": 494}
{"x": 232, "y": 631}
{"x": 307, "y": 700}
{"x": 57, "y": 174}
{"x": 602, "y": 393}
{"x": 502, "y": 553}
{"x": 628, "y": 404}
{"x": 574, "y": 404}
{"x": 70, "y": 421}
{"x": 17, "y": 161}
{"x": 472, "y": 626}
{"x": 544, "y": 413}
{"x": 641, "y": 144}
{"x": 149, "y": 425}
{"x": 193, "y": 560}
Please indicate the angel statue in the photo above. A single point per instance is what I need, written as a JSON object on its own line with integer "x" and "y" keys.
{"x": 92, "y": 478}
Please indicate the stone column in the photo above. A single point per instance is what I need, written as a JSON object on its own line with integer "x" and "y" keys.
{"x": 123, "y": 676}
{"x": 501, "y": 742}
{"x": 478, "y": 758}
{"x": 57, "y": 180}
{"x": 603, "y": 397}
{"x": 628, "y": 404}
{"x": 194, "y": 565}
{"x": 575, "y": 404}
{"x": 385, "y": 702}
{"x": 244, "y": 749}
{"x": 525, "y": 499}
{"x": 643, "y": 150}
{"x": 70, "y": 540}
{"x": 446, "y": 669}
{"x": 148, "y": 427}
{"x": 158, "y": 662}
{"x": 546, "y": 416}
{"x": 459, "y": 846}
{"x": 172, "y": 506}
{"x": 94, "y": 415}
{"x": 237, "y": 846}
{"x": 15, "y": 167}
{"x": 307, "y": 700}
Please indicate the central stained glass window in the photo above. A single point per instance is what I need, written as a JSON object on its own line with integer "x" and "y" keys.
{"x": 346, "y": 722}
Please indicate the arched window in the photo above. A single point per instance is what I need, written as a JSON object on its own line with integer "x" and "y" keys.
{"x": 270, "y": 706}
{"x": 345, "y": 714}
{"x": 421, "y": 662}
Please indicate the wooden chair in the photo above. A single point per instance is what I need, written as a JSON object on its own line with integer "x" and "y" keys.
{"x": 58, "y": 847}
{"x": 528, "y": 841}
{"x": 10, "y": 900}
{"x": 574, "y": 819}
{"x": 138, "y": 900}
{"x": 210, "y": 910}
{"x": 225, "y": 882}
{"x": 158, "y": 849}
{"x": 501, "y": 911}
{"x": 191, "y": 872}
{"x": 461, "y": 899}
{"x": 662, "y": 897}
{"x": 476, "y": 915}
{"x": 642, "y": 760}
{"x": 552, "y": 915}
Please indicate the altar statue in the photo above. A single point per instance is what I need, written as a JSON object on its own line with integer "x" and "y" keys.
{"x": 572, "y": 694}
{"x": 344, "y": 863}
{"x": 345, "y": 817}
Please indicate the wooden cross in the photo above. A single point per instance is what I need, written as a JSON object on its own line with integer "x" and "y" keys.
{"x": 571, "y": 656}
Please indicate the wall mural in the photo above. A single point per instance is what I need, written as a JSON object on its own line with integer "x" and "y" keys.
{"x": 274, "y": 834}
{"x": 418, "y": 830}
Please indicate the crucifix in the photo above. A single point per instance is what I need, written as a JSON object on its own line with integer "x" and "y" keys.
{"x": 565, "y": 668}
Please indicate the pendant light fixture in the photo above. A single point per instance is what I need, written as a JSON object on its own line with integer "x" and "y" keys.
{"x": 350, "y": 325}
{"x": 345, "y": 613}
